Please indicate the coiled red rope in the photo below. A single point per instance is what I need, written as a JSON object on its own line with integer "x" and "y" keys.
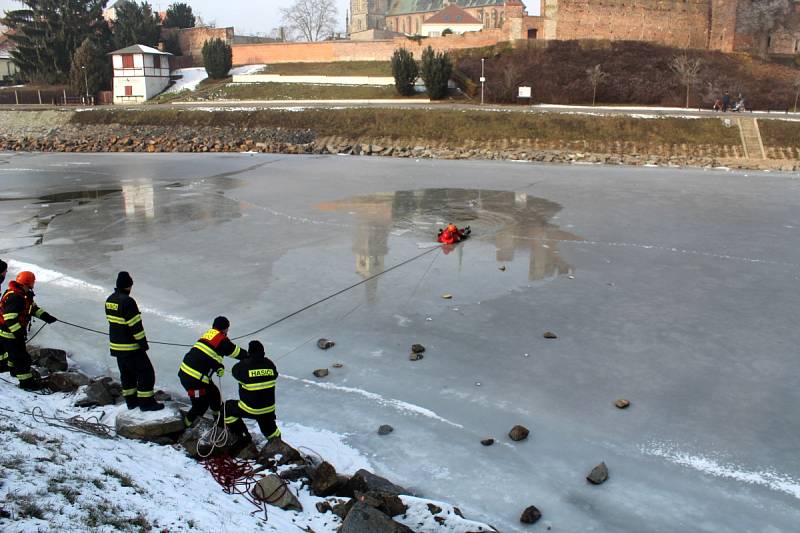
{"x": 236, "y": 476}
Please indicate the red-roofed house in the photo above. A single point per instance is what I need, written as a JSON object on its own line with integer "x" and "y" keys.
{"x": 452, "y": 18}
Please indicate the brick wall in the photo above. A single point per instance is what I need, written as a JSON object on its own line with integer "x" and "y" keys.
{"x": 680, "y": 23}
{"x": 191, "y": 40}
{"x": 329, "y": 51}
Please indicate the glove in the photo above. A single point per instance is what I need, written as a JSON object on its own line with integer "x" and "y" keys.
{"x": 221, "y": 371}
{"x": 51, "y": 319}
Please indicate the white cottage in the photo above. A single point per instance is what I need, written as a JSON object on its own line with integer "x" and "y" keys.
{"x": 140, "y": 73}
{"x": 451, "y": 18}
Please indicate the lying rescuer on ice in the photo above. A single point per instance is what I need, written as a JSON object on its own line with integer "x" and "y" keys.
{"x": 451, "y": 235}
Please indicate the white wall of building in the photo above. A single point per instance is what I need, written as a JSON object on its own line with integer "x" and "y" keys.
{"x": 144, "y": 79}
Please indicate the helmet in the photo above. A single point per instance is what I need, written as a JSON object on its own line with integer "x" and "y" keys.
{"x": 26, "y": 278}
{"x": 452, "y": 227}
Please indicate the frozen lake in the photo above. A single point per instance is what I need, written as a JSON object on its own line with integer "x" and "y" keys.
{"x": 675, "y": 289}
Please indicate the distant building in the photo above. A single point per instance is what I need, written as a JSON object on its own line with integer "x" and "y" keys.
{"x": 451, "y": 18}
{"x": 8, "y": 69}
{"x": 110, "y": 12}
{"x": 140, "y": 73}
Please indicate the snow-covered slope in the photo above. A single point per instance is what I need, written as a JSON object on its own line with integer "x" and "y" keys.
{"x": 56, "y": 479}
{"x": 191, "y": 77}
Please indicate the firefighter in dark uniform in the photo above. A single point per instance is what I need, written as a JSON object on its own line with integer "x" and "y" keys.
{"x": 257, "y": 376}
{"x": 204, "y": 359}
{"x": 128, "y": 343}
{"x": 3, "y": 351}
{"x": 17, "y": 308}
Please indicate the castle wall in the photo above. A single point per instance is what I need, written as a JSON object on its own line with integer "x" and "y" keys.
{"x": 330, "y": 51}
{"x": 680, "y": 23}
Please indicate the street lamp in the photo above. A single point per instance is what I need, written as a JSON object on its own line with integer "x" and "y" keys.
{"x": 86, "y": 80}
{"x": 483, "y": 78}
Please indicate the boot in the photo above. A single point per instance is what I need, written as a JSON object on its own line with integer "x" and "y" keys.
{"x": 187, "y": 420}
{"x": 33, "y": 383}
{"x": 150, "y": 404}
{"x": 131, "y": 401}
{"x": 242, "y": 442}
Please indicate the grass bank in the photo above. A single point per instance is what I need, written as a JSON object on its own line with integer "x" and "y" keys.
{"x": 780, "y": 133}
{"x": 339, "y": 68}
{"x": 442, "y": 126}
{"x": 297, "y": 91}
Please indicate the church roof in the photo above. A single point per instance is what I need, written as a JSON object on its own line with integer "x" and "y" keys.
{"x": 404, "y": 7}
{"x": 452, "y": 14}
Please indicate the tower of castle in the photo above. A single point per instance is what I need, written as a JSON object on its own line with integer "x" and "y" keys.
{"x": 367, "y": 15}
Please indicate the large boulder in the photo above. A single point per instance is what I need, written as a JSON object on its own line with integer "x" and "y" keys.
{"x": 96, "y": 393}
{"x": 66, "y": 381}
{"x": 274, "y": 491}
{"x": 53, "y": 359}
{"x": 277, "y": 452}
{"x": 150, "y": 425}
{"x": 365, "y": 519}
{"x": 386, "y": 502}
{"x": 365, "y": 481}
{"x": 324, "y": 480}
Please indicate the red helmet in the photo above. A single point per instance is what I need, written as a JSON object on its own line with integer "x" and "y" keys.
{"x": 26, "y": 278}
{"x": 452, "y": 227}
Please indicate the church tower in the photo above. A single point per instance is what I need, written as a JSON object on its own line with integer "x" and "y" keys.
{"x": 367, "y": 15}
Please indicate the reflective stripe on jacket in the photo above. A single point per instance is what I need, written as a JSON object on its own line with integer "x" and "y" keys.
{"x": 257, "y": 377}
{"x": 205, "y": 356}
{"x": 16, "y": 308}
{"x": 125, "y": 328}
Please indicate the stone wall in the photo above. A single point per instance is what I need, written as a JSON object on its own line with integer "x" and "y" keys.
{"x": 679, "y": 23}
{"x": 329, "y": 51}
{"x": 191, "y": 40}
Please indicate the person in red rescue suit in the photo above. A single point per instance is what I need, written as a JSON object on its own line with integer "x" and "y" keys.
{"x": 257, "y": 376}
{"x": 203, "y": 360}
{"x": 128, "y": 344}
{"x": 18, "y": 308}
{"x": 452, "y": 235}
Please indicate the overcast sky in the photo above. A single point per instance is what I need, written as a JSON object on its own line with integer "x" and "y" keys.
{"x": 249, "y": 17}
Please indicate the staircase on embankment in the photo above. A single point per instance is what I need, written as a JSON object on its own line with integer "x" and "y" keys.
{"x": 751, "y": 138}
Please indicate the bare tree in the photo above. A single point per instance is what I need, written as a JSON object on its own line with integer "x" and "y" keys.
{"x": 596, "y": 77}
{"x": 313, "y": 20}
{"x": 797, "y": 92}
{"x": 760, "y": 18}
{"x": 687, "y": 70}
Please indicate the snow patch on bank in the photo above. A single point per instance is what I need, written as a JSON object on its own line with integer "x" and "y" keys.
{"x": 191, "y": 77}
{"x": 769, "y": 479}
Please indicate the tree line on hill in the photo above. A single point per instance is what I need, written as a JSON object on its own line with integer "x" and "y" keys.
{"x": 67, "y": 41}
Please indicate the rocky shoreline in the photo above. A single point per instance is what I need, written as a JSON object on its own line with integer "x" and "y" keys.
{"x": 73, "y": 138}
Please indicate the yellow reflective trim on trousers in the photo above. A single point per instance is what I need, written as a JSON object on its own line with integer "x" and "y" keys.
{"x": 276, "y": 433}
{"x": 124, "y": 347}
{"x": 139, "y": 336}
{"x": 39, "y": 313}
{"x": 236, "y": 353}
{"x": 263, "y": 411}
{"x": 14, "y": 327}
{"x": 134, "y": 320}
{"x": 144, "y": 393}
{"x": 258, "y": 386}
{"x": 128, "y": 392}
{"x": 115, "y": 319}
{"x": 6, "y": 334}
{"x": 3, "y": 356}
{"x": 23, "y": 377}
{"x": 208, "y": 351}
{"x": 231, "y": 419}
{"x": 194, "y": 373}
{"x": 10, "y": 316}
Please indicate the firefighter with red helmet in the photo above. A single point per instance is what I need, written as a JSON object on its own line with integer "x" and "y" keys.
{"x": 202, "y": 360}
{"x": 3, "y": 352}
{"x": 17, "y": 308}
{"x": 452, "y": 235}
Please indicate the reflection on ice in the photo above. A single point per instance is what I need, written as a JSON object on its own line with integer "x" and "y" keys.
{"x": 511, "y": 220}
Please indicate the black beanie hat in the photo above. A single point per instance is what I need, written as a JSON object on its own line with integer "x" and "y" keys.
{"x": 124, "y": 280}
{"x": 221, "y": 323}
{"x": 3, "y": 266}
{"x": 255, "y": 349}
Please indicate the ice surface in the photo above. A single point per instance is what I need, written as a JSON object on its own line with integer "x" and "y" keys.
{"x": 683, "y": 300}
